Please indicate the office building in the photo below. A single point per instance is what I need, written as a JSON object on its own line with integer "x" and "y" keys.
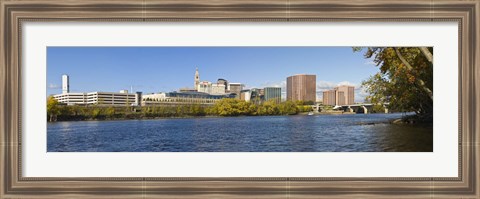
{"x": 224, "y": 82}
{"x": 301, "y": 88}
{"x": 154, "y": 96}
{"x": 329, "y": 97}
{"x": 349, "y": 95}
{"x": 181, "y": 98}
{"x": 339, "y": 98}
{"x": 211, "y": 88}
{"x": 273, "y": 93}
{"x": 340, "y": 95}
{"x": 235, "y": 88}
{"x": 257, "y": 95}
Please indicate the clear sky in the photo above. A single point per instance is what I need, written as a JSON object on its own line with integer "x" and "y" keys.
{"x": 165, "y": 69}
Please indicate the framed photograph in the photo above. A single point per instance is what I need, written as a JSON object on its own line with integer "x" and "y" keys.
{"x": 235, "y": 99}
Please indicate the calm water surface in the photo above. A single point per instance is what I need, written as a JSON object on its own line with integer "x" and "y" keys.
{"x": 321, "y": 133}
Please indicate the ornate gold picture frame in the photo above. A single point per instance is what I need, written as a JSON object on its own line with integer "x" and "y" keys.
{"x": 15, "y": 12}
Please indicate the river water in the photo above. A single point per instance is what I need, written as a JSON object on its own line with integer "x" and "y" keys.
{"x": 301, "y": 133}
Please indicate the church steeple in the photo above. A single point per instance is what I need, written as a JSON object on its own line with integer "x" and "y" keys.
{"x": 197, "y": 79}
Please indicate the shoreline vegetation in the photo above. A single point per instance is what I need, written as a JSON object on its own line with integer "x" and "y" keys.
{"x": 223, "y": 108}
{"x": 404, "y": 80}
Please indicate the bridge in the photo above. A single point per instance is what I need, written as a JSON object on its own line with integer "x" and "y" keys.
{"x": 364, "y": 108}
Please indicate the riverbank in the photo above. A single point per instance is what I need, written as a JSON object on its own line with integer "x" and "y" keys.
{"x": 404, "y": 120}
{"x": 224, "y": 107}
{"x": 140, "y": 117}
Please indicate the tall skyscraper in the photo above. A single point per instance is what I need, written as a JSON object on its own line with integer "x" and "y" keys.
{"x": 348, "y": 95}
{"x": 329, "y": 97}
{"x": 301, "y": 87}
{"x": 273, "y": 93}
{"x": 340, "y": 95}
{"x": 65, "y": 84}
{"x": 197, "y": 79}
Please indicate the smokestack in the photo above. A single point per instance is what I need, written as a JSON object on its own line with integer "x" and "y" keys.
{"x": 65, "y": 84}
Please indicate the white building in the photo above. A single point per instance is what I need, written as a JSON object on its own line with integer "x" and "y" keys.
{"x": 65, "y": 84}
{"x": 154, "y": 97}
{"x": 218, "y": 89}
{"x": 100, "y": 98}
{"x": 72, "y": 98}
{"x": 113, "y": 99}
{"x": 122, "y": 98}
{"x": 211, "y": 88}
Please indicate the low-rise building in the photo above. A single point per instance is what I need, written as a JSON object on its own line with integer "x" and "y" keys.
{"x": 71, "y": 98}
{"x": 178, "y": 98}
{"x": 273, "y": 93}
{"x": 235, "y": 88}
{"x": 122, "y": 98}
{"x": 245, "y": 95}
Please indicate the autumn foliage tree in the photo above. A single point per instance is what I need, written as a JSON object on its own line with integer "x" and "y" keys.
{"x": 53, "y": 109}
{"x": 405, "y": 79}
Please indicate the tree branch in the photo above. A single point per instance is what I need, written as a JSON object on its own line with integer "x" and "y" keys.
{"x": 409, "y": 67}
{"x": 427, "y": 54}
{"x": 404, "y": 61}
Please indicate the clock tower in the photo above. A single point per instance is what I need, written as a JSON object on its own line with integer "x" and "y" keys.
{"x": 197, "y": 79}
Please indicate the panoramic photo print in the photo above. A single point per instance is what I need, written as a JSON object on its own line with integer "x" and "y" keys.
{"x": 239, "y": 99}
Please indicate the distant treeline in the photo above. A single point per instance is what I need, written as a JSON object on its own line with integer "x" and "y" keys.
{"x": 224, "y": 107}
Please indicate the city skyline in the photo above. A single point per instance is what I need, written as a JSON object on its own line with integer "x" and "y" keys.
{"x": 118, "y": 68}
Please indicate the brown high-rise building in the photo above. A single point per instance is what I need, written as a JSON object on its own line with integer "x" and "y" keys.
{"x": 348, "y": 97}
{"x": 302, "y": 87}
{"x": 341, "y": 95}
{"x": 329, "y": 97}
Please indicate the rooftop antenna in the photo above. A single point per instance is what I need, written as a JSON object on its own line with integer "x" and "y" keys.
{"x": 131, "y": 89}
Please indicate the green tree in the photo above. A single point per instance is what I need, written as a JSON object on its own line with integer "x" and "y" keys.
{"x": 53, "y": 109}
{"x": 405, "y": 79}
{"x": 95, "y": 112}
{"x": 110, "y": 112}
{"x": 288, "y": 108}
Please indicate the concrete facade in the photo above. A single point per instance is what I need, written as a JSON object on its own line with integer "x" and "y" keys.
{"x": 235, "y": 88}
{"x": 99, "y": 98}
{"x": 72, "y": 98}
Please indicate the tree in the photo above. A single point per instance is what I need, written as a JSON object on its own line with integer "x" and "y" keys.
{"x": 53, "y": 109}
{"x": 110, "y": 112}
{"x": 405, "y": 79}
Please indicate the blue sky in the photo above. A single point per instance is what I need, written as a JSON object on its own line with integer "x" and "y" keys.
{"x": 164, "y": 69}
